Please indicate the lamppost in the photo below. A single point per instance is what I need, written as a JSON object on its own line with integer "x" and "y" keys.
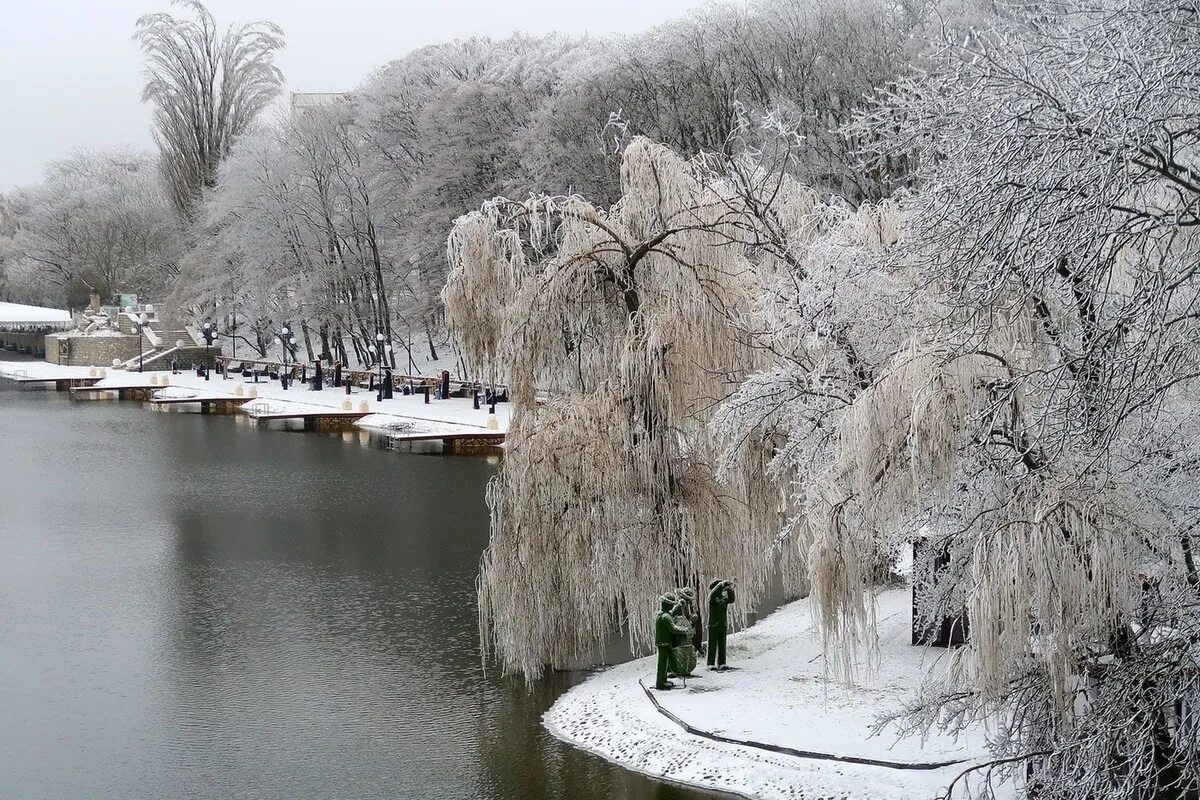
{"x": 410, "y": 358}
{"x": 379, "y": 339}
{"x": 373, "y": 351}
{"x": 210, "y": 333}
{"x": 391, "y": 359}
{"x": 286, "y": 341}
{"x": 139, "y": 325}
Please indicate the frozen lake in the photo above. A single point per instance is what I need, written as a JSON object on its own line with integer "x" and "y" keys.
{"x": 191, "y": 607}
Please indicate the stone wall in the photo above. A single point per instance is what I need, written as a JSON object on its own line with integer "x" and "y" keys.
{"x": 90, "y": 351}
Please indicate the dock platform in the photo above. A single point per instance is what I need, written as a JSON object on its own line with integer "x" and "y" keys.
{"x": 313, "y": 419}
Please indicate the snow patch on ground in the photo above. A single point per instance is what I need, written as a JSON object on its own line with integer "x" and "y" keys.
{"x": 777, "y": 694}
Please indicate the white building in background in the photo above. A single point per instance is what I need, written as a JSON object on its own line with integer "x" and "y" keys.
{"x": 303, "y": 102}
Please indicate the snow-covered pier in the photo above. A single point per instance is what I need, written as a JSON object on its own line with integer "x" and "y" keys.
{"x": 454, "y": 422}
{"x": 32, "y": 373}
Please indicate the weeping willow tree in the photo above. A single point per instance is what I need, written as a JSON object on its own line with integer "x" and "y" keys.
{"x": 613, "y": 330}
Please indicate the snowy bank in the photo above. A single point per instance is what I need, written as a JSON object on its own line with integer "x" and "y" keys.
{"x": 776, "y": 694}
{"x": 402, "y": 414}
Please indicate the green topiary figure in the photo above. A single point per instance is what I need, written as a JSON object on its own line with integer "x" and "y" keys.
{"x": 683, "y": 655}
{"x": 664, "y": 640}
{"x": 693, "y": 614}
{"x": 720, "y": 595}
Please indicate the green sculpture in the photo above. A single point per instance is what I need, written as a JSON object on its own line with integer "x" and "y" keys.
{"x": 693, "y": 615}
{"x": 683, "y": 654}
{"x": 720, "y": 595}
{"x": 664, "y": 640}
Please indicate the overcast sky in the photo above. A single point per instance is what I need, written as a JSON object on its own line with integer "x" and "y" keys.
{"x": 70, "y": 73}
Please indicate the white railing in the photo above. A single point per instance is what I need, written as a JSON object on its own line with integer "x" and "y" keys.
{"x": 143, "y": 360}
{"x": 148, "y": 332}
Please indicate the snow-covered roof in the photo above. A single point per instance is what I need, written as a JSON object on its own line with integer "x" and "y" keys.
{"x": 15, "y": 315}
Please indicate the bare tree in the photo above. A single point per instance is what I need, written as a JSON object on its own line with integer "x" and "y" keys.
{"x": 207, "y": 86}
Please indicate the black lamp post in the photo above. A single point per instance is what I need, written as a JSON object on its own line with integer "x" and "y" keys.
{"x": 286, "y": 340}
{"x": 374, "y": 351}
{"x": 411, "y": 368}
{"x": 379, "y": 351}
{"x": 139, "y": 325}
{"x": 387, "y": 373}
{"x": 210, "y": 333}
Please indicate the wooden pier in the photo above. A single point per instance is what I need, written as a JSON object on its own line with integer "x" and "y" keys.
{"x": 135, "y": 392}
{"x": 60, "y": 384}
{"x": 209, "y": 404}
{"x": 454, "y": 428}
{"x": 458, "y": 442}
{"x": 314, "y": 420}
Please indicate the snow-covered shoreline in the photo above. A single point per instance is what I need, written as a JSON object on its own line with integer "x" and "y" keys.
{"x": 776, "y": 694}
{"x": 401, "y": 414}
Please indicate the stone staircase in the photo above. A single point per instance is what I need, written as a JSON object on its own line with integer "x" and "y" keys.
{"x": 164, "y": 334}
{"x": 172, "y": 333}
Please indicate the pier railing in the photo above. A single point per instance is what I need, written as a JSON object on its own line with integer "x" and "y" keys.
{"x": 358, "y": 376}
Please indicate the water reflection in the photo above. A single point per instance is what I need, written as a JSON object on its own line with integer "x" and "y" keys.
{"x": 197, "y": 608}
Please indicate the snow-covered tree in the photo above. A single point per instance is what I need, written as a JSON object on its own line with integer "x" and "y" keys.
{"x": 1030, "y": 407}
{"x": 207, "y": 87}
{"x": 612, "y": 331}
{"x": 296, "y": 232}
{"x": 683, "y": 82}
{"x": 97, "y": 221}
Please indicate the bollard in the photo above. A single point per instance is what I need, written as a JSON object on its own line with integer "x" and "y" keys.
{"x": 348, "y": 382}
{"x": 493, "y": 424}
{"x": 475, "y": 399}
{"x": 363, "y": 406}
{"x": 426, "y": 390}
{"x": 253, "y": 393}
{"x": 237, "y": 390}
{"x": 347, "y": 405}
{"x": 92, "y": 372}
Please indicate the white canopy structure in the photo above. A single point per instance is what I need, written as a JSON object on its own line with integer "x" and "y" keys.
{"x": 17, "y": 317}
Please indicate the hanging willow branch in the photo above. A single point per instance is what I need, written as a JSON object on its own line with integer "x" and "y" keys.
{"x": 613, "y": 330}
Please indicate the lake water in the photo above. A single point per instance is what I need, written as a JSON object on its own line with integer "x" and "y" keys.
{"x": 194, "y": 608}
